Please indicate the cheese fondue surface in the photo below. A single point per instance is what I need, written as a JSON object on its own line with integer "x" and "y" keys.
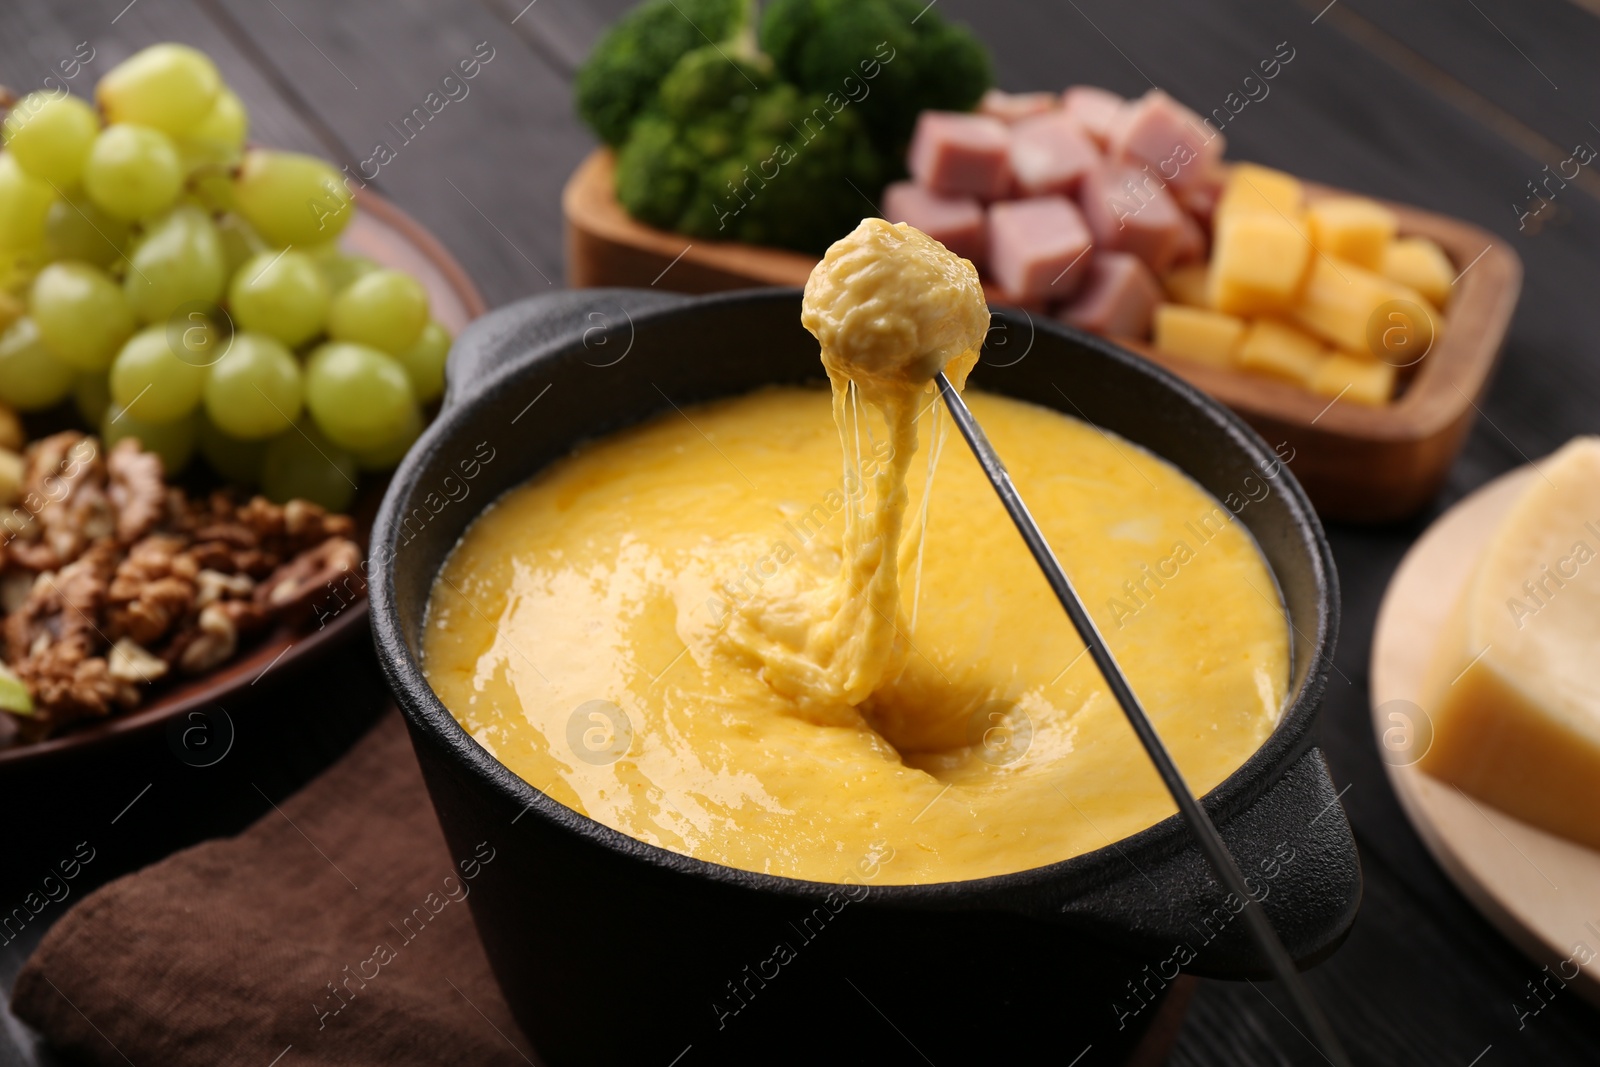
{"x": 643, "y": 632}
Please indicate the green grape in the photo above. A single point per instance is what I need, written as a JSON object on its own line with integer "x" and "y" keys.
{"x": 424, "y": 361}
{"x": 360, "y": 397}
{"x": 16, "y": 271}
{"x": 24, "y": 203}
{"x": 82, "y": 315}
{"x": 91, "y": 395}
{"x": 219, "y": 137}
{"x": 31, "y": 379}
{"x": 239, "y": 242}
{"x": 292, "y": 199}
{"x": 384, "y": 309}
{"x": 210, "y": 186}
{"x": 173, "y": 441}
{"x": 179, "y": 262}
{"x": 254, "y": 390}
{"x": 302, "y": 464}
{"x": 75, "y": 229}
{"x": 51, "y": 136}
{"x": 282, "y": 295}
{"x": 11, "y": 309}
{"x": 389, "y": 454}
{"x": 338, "y": 267}
{"x": 168, "y": 87}
{"x": 133, "y": 172}
{"x": 152, "y": 381}
{"x": 238, "y": 461}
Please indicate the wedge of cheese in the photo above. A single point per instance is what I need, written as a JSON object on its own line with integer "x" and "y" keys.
{"x": 1515, "y": 687}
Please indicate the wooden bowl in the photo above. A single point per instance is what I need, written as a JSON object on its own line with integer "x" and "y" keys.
{"x": 389, "y": 236}
{"x": 1356, "y": 462}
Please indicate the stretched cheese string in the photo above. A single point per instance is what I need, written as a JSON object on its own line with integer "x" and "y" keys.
{"x": 891, "y": 308}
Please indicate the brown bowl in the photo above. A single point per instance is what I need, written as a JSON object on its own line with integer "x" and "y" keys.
{"x": 1357, "y": 463}
{"x": 384, "y": 233}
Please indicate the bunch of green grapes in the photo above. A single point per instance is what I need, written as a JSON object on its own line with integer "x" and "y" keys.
{"x": 183, "y": 289}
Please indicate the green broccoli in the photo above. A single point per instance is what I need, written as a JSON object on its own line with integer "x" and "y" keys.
{"x": 731, "y": 154}
{"x": 894, "y": 58}
{"x": 619, "y": 79}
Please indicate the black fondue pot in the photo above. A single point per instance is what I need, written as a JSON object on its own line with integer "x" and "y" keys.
{"x": 611, "y": 950}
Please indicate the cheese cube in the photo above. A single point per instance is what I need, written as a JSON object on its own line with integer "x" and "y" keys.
{"x": 1187, "y": 285}
{"x": 1352, "y": 228}
{"x": 1197, "y": 334}
{"x": 1362, "y": 381}
{"x": 1339, "y": 301}
{"x": 1514, "y": 691}
{"x": 1252, "y": 188}
{"x": 1421, "y": 264}
{"x": 1257, "y": 264}
{"x": 1282, "y": 351}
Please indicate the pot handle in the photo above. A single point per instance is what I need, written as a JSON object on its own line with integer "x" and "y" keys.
{"x": 603, "y": 318}
{"x": 1298, "y": 855}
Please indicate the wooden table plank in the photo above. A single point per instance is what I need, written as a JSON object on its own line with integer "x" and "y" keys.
{"x": 484, "y": 171}
{"x": 1531, "y": 64}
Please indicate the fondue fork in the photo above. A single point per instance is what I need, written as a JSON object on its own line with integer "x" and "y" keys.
{"x": 1200, "y": 824}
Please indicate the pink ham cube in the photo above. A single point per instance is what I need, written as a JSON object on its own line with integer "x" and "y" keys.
{"x": 1128, "y": 210}
{"x": 1119, "y": 298}
{"x": 1175, "y": 143}
{"x": 1014, "y": 107}
{"x": 1191, "y": 242}
{"x": 956, "y": 222}
{"x": 1200, "y": 201}
{"x": 1050, "y": 154}
{"x": 1038, "y": 248}
{"x": 1095, "y": 110}
{"x": 955, "y": 154}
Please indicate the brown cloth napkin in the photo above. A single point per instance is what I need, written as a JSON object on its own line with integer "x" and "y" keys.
{"x": 333, "y": 931}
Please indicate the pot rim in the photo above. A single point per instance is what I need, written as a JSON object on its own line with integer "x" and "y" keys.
{"x": 1251, "y": 780}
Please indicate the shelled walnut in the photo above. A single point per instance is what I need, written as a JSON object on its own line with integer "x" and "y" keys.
{"x": 112, "y": 581}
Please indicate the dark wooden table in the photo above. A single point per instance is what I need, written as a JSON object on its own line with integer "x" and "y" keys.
{"x": 1455, "y": 106}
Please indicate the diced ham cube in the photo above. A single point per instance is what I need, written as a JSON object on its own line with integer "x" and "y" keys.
{"x": 1119, "y": 298}
{"x": 1173, "y": 141}
{"x": 1191, "y": 242}
{"x": 1038, "y": 248}
{"x": 1128, "y": 210}
{"x": 955, "y": 154}
{"x": 1095, "y": 110}
{"x": 1013, "y": 107}
{"x": 1200, "y": 201}
{"x": 1050, "y": 154}
{"x": 955, "y": 222}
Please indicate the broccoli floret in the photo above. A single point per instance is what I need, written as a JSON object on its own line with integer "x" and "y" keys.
{"x": 892, "y": 58}
{"x": 731, "y": 155}
{"x": 620, "y": 77}
{"x": 712, "y": 79}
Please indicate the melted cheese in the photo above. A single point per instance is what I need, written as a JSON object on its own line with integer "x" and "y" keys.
{"x": 581, "y": 633}
{"x": 891, "y": 308}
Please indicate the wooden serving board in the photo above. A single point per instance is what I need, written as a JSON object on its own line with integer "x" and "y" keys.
{"x": 1356, "y": 462}
{"x": 1541, "y": 891}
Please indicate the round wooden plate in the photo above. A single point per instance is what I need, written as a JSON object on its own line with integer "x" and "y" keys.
{"x": 387, "y": 235}
{"x": 1541, "y": 891}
